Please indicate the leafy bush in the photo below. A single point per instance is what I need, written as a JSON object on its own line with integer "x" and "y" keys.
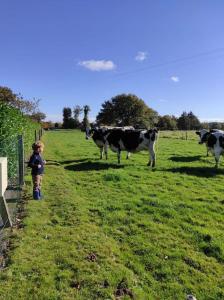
{"x": 12, "y": 124}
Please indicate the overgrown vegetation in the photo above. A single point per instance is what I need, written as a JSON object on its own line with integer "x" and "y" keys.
{"x": 105, "y": 231}
{"x": 13, "y": 123}
{"x": 27, "y": 107}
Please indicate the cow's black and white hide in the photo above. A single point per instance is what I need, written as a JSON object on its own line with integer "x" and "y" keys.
{"x": 204, "y": 134}
{"x": 215, "y": 144}
{"x": 133, "y": 141}
{"x": 99, "y": 136}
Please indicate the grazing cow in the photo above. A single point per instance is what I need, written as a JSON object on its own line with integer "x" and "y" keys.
{"x": 99, "y": 135}
{"x": 204, "y": 134}
{"x": 133, "y": 141}
{"x": 215, "y": 144}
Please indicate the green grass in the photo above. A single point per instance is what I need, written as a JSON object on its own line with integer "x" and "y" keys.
{"x": 104, "y": 229}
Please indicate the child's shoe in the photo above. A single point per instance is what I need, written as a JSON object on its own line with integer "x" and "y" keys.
{"x": 41, "y": 195}
{"x": 36, "y": 195}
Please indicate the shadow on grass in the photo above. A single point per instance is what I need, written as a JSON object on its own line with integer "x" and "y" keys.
{"x": 88, "y": 166}
{"x": 185, "y": 158}
{"x": 65, "y": 162}
{"x": 52, "y": 163}
{"x": 198, "y": 171}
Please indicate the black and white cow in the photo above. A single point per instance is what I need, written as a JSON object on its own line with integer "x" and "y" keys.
{"x": 204, "y": 134}
{"x": 133, "y": 141}
{"x": 99, "y": 136}
{"x": 215, "y": 144}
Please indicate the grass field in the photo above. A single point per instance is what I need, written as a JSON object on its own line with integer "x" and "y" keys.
{"x": 105, "y": 231}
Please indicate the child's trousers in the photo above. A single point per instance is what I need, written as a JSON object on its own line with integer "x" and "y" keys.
{"x": 37, "y": 180}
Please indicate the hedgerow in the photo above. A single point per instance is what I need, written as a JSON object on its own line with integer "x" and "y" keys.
{"x": 12, "y": 124}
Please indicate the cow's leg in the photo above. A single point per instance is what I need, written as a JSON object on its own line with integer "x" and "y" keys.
{"x": 152, "y": 154}
{"x": 101, "y": 152}
{"x": 106, "y": 150}
{"x": 217, "y": 154}
{"x": 119, "y": 156}
{"x": 216, "y": 162}
{"x": 128, "y": 155}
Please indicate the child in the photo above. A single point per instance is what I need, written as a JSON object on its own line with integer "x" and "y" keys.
{"x": 37, "y": 163}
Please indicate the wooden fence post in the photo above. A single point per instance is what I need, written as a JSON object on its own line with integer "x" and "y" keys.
{"x": 39, "y": 134}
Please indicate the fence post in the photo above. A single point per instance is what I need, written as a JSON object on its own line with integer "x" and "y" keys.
{"x": 21, "y": 159}
{"x": 39, "y": 134}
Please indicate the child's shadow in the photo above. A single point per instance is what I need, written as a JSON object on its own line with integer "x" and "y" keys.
{"x": 64, "y": 162}
{"x": 89, "y": 166}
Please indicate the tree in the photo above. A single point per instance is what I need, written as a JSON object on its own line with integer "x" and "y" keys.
{"x": 188, "y": 121}
{"x": 215, "y": 125}
{"x": 127, "y": 110}
{"x": 85, "y": 122}
{"x": 167, "y": 122}
{"x": 28, "y": 107}
{"x": 67, "y": 115}
{"x": 182, "y": 121}
{"x": 38, "y": 116}
{"x": 193, "y": 121}
{"x": 7, "y": 96}
{"x": 77, "y": 111}
{"x": 47, "y": 125}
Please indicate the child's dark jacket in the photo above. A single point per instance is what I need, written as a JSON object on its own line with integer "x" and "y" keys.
{"x": 33, "y": 163}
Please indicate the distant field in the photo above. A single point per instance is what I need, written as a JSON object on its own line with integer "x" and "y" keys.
{"x": 105, "y": 230}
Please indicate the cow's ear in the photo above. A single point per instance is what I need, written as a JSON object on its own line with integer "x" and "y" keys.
{"x": 197, "y": 132}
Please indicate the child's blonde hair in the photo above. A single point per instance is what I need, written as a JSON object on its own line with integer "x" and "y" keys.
{"x": 38, "y": 144}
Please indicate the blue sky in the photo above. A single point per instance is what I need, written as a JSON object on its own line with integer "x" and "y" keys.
{"x": 170, "y": 53}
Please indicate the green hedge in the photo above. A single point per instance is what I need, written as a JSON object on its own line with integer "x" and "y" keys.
{"x": 12, "y": 124}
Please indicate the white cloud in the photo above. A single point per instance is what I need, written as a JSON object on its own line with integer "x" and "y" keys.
{"x": 98, "y": 65}
{"x": 141, "y": 56}
{"x": 175, "y": 78}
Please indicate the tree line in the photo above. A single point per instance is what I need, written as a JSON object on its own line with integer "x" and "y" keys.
{"x": 71, "y": 118}
{"x": 121, "y": 110}
{"x": 129, "y": 110}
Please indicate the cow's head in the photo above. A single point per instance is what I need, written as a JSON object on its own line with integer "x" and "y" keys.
{"x": 203, "y": 135}
{"x": 151, "y": 134}
{"x": 89, "y": 132}
{"x": 97, "y": 133}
